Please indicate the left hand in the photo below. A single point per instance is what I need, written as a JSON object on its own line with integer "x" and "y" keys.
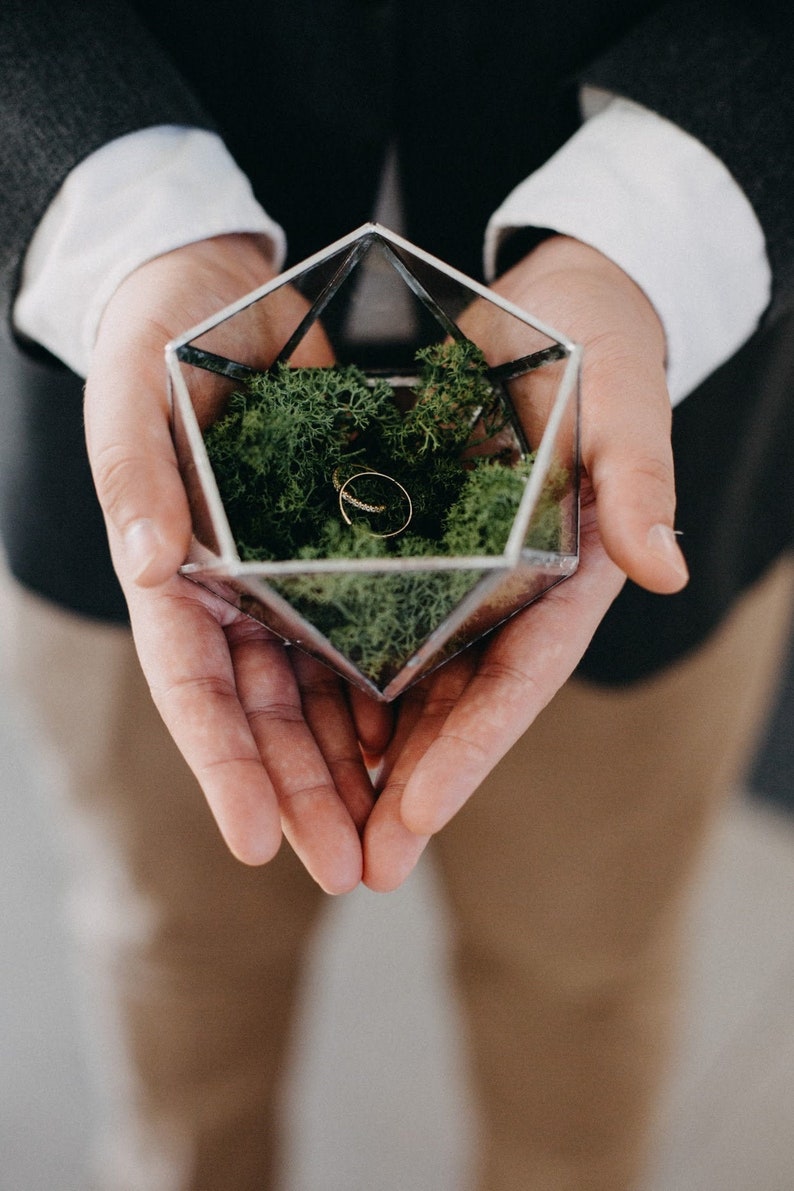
{"x": 455, "y": 726}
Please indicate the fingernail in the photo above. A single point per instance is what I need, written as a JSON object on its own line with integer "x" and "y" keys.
{"x": 141, "y": 546}
{"x": 663, "y": 544}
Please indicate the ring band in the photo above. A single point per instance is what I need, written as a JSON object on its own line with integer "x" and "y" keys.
{"x": 346, "y": 497}
{"x": 352, "y": 500}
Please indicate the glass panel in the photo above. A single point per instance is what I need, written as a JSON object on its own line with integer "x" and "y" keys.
{"x": 381, "y": 459}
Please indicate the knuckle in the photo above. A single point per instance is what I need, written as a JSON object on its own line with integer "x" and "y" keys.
{"x": 319, "y": 687}
{"x": 342, "y": 764}
{"x": 207, "y": 686}
{"x": 439, "y": 706}
{"x": 244, "y": 631}
{"x": 309, "y": 792}
{"x": 115, "y": 473}
{"x": 467, "y": 749}
{"x": 655, "y": 469}
{"x": 274, "y": 713}
{"x": 656, "y": 480}
{"x": 502, "y": 674}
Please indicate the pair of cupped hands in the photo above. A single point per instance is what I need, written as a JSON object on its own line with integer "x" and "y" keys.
{"x": 280, "y": 745}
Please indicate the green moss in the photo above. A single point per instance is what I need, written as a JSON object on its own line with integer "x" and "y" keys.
{"x": 288, "y": 441}
{"x": 377, "y": 621}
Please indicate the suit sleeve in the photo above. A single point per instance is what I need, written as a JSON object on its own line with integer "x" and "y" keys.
{"x": 723, "y": 73}
{"x": 72, "y": 77}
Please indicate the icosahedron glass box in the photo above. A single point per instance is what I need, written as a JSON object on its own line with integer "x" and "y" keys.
{"x": 380, "y": 455}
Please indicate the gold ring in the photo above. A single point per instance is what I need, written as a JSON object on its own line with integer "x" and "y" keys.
{"x": 346, "y": 497}
{"x": 351, "y": 500}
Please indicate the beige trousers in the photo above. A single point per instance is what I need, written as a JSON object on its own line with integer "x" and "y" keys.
{"x": 566, "y": 875}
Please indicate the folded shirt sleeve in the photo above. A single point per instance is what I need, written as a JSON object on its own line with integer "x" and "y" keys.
{"x": 139, "y": 196}
{"x": 666, "y": 210}
{"x": 630, "y": 183}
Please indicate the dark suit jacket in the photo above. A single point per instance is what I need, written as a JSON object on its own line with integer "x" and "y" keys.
{"x": 475, "y": 94}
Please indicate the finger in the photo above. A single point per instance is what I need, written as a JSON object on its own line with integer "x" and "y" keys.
{"x": 329, "y": 719}
{"x": 626, "y": 414}
{"x": 408, "y": 712}
{"x": 391, "y": 849}
{"x": 184, "y": 654}
{"x": 314, "y": 819}
{"x": 628, "y": 456}
{"x": 374, "y": 722}
{"x": 127, "y": 416}
{"x": 521, "y": 669}
{"x": 135, "y": 469}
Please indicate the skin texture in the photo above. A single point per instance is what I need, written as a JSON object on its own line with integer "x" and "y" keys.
{"x": 275, "y": 740}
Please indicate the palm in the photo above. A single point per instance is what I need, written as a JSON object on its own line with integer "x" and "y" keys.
{"x": 454, "y": 727}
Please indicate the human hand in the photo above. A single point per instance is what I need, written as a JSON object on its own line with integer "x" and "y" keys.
{"x": 455, "y": 726}
{"x": 267, "y": 731}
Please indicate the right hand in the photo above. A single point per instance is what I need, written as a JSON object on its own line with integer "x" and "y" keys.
{"x": 268, "y": 732}
{"x": 454, "y": 727}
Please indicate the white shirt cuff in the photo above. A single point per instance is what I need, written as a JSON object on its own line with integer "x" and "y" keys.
{"x": 134, "y": 199}
{"x": 667, "y": 211}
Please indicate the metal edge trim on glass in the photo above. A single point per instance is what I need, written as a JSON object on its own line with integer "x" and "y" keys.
{"x": 248, "y": 579}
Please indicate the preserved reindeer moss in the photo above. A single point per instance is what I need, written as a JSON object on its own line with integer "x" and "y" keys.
{"x": 293, "y": 436}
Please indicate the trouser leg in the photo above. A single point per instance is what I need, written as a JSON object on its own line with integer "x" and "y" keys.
{"x": 190, "y": 959}
{"x": 567, "y": 873}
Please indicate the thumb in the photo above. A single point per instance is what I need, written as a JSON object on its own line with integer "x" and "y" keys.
{"x": 628, "y": 455}
{"x": 134, "y": 464}
{"x": 626, "y": 416}
{"x": 127, "y": 417}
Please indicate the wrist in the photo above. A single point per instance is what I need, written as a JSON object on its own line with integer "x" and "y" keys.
{"x": 174, "y": 291}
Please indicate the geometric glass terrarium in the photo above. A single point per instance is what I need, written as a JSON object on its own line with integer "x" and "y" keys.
{"x": 380, "y": 455}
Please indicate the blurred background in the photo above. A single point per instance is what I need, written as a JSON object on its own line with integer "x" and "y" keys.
{"x": 377, "y": 1099}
